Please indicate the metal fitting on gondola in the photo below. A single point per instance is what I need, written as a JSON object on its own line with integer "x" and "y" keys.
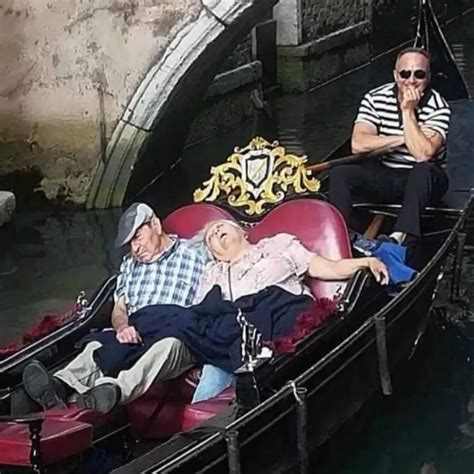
{"x": 251, "y": 345}
{"x": 233, "y": 451}
{"x": 384, "y": 371}
{"x": 82, "y": 305}
{"x": 301, "y": 394}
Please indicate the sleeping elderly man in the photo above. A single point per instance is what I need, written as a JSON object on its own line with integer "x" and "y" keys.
{"x": 263, "y": 280}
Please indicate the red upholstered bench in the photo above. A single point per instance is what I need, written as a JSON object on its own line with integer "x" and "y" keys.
{"x": 64, "y": 433}
{"x": 59, "y": 440}
{"x": 317, "y": 224}
{"x": 166, "y": 409}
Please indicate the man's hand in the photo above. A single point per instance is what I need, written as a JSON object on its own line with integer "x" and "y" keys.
{"x": 410, "y": 98}
{"x": 128, "y": 335}
{"x": 379, "y": 270}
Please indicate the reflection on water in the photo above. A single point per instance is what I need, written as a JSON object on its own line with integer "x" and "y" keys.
{"x": 46, "y": 259}
{"x": 426, "y": 426}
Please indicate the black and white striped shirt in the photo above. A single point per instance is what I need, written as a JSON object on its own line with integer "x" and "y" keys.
{"x": 380, "y": 108}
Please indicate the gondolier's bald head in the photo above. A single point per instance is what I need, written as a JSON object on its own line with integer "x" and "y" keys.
{"x": 413, "y": 50}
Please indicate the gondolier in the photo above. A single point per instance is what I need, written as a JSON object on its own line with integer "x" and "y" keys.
{"x": 409, "y": 121}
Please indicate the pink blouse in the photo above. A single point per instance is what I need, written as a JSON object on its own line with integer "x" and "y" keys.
{"x": 280, "y": 260}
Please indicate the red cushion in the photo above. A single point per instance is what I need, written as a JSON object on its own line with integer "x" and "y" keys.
{"x": 318, "y": 225}
{"x": 173, "y": 414}
{"x": 59, "y": 440}
{"x": 74, "y": 413}
{"x": 187, "y": 221}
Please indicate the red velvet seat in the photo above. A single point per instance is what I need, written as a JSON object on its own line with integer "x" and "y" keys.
{"x": 187, "y": 221}
{"x": 318, "y": 225}
{"x": 166, "y": 409}
{"x": 60, "y": 439}
{"x": 65, "y": 432}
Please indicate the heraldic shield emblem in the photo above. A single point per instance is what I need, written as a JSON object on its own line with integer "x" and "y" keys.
{"x": 256, "y": 177}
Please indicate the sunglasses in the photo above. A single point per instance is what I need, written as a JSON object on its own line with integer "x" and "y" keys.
{"x": 418, "y": 73}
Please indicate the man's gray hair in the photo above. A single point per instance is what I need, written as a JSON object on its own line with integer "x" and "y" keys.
{"x": 412, "y": 49}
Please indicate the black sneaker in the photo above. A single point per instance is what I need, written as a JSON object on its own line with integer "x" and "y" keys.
{"x": 41, "y": 386}
{"x": 102, "y": 398}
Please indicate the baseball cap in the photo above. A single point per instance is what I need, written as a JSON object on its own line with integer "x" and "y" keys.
{"x": 133, "y": 218}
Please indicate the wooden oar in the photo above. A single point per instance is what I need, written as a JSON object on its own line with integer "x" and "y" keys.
{"x": 346, "y": 160}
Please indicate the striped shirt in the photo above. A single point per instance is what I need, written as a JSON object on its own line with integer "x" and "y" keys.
{"x": 172, "y": 279}
{"x": 380, "y": 108}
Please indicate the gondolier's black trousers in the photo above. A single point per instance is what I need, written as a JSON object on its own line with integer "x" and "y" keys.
{"x": 370, "y": 180}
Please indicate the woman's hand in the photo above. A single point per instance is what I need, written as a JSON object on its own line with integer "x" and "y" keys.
{"x": 379, "y": 270}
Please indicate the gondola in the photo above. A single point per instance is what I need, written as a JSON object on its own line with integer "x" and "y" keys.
{"x": 282, "y": 407}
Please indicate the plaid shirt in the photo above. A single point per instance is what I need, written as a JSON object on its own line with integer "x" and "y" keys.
{"x": 172, "y": 279}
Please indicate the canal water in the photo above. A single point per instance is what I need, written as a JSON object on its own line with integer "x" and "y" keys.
{"x": 426, "y": 427}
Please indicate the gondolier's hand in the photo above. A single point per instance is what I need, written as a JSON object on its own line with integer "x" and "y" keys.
{"x": 128, "y": 335}
{"x": 410, "y": 98}
{"x": 427, "y": 132}
{"x": 379, "y": 270}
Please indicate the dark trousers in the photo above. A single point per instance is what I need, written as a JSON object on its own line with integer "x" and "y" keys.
{"x": 415, "y": 188}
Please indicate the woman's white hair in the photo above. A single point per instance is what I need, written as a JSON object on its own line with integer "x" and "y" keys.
{"x": 200, "y": 237}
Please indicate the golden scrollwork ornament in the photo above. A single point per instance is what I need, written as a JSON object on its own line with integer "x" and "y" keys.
{"x": 256, "y": 177}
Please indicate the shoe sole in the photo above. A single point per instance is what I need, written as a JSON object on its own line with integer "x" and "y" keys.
{"x": 39, "y": 385}
{"x": 102, "y": 398}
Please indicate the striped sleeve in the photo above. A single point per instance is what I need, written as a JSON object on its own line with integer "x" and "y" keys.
{"x": 438, "y": 120}
{"x": 367, "y": 112}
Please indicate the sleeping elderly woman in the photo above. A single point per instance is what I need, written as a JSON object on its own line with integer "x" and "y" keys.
{"x": 241, "y": 268}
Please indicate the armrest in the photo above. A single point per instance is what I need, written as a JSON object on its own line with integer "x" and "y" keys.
{"x": 355, "y": 286}
{"x": 361, "y": 288}
{"x": 35, "y": 423}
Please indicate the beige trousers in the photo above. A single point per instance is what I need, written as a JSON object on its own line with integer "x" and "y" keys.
{"x": 164, "y": 360}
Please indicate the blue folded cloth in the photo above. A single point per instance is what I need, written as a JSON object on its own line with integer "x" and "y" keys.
{"x": 213, "y": 381}
{"x": 393, "y": 255}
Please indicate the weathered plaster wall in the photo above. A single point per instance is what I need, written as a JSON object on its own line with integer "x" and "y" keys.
{"x": 56, "y": 57}
{"x": 322, "y": 17}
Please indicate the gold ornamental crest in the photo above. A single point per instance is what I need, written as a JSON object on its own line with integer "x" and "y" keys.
{"x": 257, "y": 176}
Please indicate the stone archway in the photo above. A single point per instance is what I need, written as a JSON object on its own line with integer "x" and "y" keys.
{"x": 168, "y": 95}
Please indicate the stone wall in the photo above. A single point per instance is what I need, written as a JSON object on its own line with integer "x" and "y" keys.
{"x": 240, "y": 56}
{"x": 68, "y": 71}
{"x": 322, "y": 17}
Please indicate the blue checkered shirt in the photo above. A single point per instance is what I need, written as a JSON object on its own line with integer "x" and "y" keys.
{"x": 172, "y": 279}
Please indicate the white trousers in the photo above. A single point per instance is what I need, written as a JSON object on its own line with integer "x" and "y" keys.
{"x": 166, "y": 359}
